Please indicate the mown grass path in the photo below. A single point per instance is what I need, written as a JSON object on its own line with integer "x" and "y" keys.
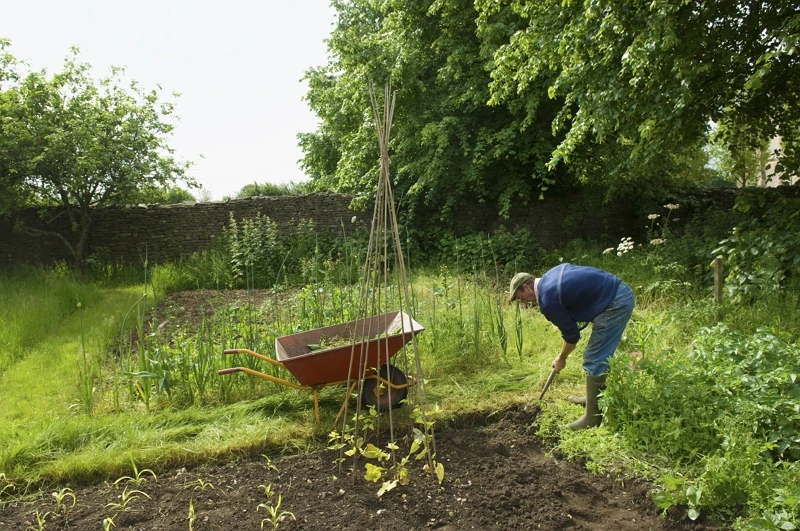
{"x": 48, "y": 436}
{"x": 43, "y": 385}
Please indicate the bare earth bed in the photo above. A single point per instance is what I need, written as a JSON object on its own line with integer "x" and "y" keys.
{"x": 496, "y": 477}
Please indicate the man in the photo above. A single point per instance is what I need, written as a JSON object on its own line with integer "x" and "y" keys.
{"x": 568, "y": 295}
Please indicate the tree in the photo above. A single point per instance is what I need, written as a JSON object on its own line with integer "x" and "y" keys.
{"x": 447, "y": 144}
{"x": 269, "y": 189}
{"x": 162, "y": 195}
{"x": 14, "y": 141}
{"x": 71, "y": 141}
{"x": 737, "y": 161}
{"x": 639, "y": 79}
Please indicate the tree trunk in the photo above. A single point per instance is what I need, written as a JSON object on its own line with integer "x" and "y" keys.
{"x": 80, "y": 245}
{"x": 763, "y": 159}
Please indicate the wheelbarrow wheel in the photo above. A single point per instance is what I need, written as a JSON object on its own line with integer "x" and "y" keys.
{"x": 380, "y": 395}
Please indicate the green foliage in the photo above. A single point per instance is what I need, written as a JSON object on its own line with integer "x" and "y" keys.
{"x": 637, "y": 83}
{"x": 254, "y": 253}
{"x": 72, "y": 141}
{"x": 139, "y": 477}
{"x": 726, "y": 410}
{"x": 706, "y": 416}
{"x": 254, "y": 250}
{"x": 502, "y": 250}
{"x": 162, "y": 195}
{"x": 269, "y": 189}
{"x": 738, "y": 162}
{"x": 447, "y": 143}
{"x": 276, "y": 515}
{"x": 31, "y": 299}
{"x": 755, "y": 378}
{"x": 761, "y": 252}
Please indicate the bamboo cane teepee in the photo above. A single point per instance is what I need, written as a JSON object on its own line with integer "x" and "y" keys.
{"x": 385, "y": 282}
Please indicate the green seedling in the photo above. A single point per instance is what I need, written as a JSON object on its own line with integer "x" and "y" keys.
{"x": 108, "y": 523}
{"x": 61, "y": 500}
{"x": 270, "y": 466}
{"x": 5, "y": 485}
{"x": 138, "y": 478}
{"x": 41, "y": 518}
{"x": 268, "y": 492}
{"x": 203, "y": 485}
{"x": 276, "y": 516}
{"x": 126, "y": 498}
{"x": 191, "y": 516}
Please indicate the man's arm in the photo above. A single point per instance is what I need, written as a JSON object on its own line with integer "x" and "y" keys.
{"x": 561, "y": 360}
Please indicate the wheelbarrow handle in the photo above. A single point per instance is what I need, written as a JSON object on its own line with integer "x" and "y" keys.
{"x": 547, "y": 383}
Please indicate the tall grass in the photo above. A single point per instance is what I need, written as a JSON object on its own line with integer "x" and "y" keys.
{"x": 31, "y": 301}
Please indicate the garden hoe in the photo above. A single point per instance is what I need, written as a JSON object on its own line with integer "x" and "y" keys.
{"x": 547, "y": 383}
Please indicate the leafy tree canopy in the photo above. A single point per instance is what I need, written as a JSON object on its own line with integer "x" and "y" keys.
{"x": 162, "y": 195}
{"x": 646, "y": 78}
{"x": 69, "y": 140}
{"x": 446, "y": 143}
{"x": 502, "y": 101}
{"x": 269, "y": 189}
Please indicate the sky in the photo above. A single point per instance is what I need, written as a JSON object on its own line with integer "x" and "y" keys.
{"x": 237, "y": 65}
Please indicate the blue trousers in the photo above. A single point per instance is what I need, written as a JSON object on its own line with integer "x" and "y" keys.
{"x": 607, "y": 329}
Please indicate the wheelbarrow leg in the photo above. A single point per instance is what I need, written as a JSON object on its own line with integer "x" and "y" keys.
{"x": 316, "y": 404}
{"x": 344, "y": 403}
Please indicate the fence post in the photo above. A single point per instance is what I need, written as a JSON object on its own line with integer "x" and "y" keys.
{"x": 718, "y": 280}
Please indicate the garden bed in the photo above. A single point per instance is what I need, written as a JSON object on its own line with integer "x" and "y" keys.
{"x": 497, "y": 476}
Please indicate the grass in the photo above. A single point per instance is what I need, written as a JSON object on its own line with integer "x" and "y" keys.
{"x": 31, "y": 300}
{"x": 51, "y": 438}
{"x": 189, "y": 416}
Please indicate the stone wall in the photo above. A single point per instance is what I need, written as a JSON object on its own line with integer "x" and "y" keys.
{"x": 166, "y": 232}
{"x": 163, "y": 232}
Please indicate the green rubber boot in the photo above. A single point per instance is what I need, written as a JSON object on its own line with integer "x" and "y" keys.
{"x": 592, "y": 417}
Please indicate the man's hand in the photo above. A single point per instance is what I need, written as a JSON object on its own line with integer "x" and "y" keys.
{"x": 559, "y": 363}
{"x": 561, "y": 360}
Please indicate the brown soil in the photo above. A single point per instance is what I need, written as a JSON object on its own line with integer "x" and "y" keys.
{"x": 497, "y": 477}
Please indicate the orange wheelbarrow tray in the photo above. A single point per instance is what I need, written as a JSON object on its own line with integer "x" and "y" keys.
{"x": 370, "y": 343}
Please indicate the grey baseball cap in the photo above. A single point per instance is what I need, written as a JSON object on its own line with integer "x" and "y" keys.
{"x": 516, "y": 282}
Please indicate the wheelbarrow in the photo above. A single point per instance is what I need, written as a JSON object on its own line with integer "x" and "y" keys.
{"x": 339, "y": 354}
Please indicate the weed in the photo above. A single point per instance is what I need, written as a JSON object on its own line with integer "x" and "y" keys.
{"x": 86, "y": 374}
{"x": 519, "y": 339}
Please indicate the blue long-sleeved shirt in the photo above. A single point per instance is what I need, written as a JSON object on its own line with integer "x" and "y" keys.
{"x": 569, "y": 294}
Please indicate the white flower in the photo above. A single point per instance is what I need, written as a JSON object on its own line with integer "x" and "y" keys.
{"x": 657, "y": 241}
{"x": 672, "y": 206}
{"x": 625, "y": 245}
{"x": 354, "y": 219}
{"x": 653, "y": 216}
{"x": 610, "y": 249}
